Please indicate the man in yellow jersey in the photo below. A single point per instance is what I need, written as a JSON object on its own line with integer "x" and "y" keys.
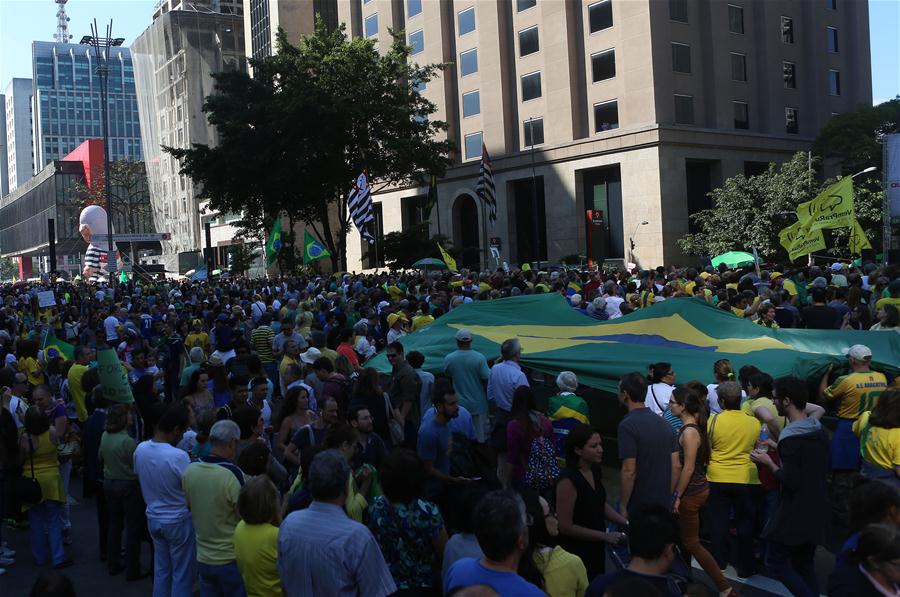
{"x": 856, "y": 392}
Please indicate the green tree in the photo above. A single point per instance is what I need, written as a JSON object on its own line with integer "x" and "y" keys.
{"x": 405, "y": 247}
{"x": 854, "y": 138}
{"x": 294, "y": 137}
{"x": 8, "y": 270}
{"x": 242, "y": 257}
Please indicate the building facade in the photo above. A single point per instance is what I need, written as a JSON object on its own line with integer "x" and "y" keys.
{"x": 263, "y": 18}
{"x": 67, "y": 102}
{"x": 609, "y": 121}
{"x": 19, "y": 140}
{"x": 174, "y": 60}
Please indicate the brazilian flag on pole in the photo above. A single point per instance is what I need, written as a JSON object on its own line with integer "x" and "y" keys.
{"x": 53, "y": 347}
{"x": 313, "y": 249}
{"x": 273, "y": 245}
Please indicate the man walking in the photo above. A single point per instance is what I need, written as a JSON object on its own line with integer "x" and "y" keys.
{"x": 160, "y": 467}
{"x": 212, "y": 486}
{"x": 321, "y": 551}
{"x": 404, "y": 391}
{"x": 469, "y": 371}
{"x": 800, "y": 520}
{"x": 648, "y": 449}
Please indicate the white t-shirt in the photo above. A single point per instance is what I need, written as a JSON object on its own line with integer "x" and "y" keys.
{"x": 159, "y": 468}
{"x": 613, "y": 306}
{"x": 110, "y": 325}
{"x": 658, "y": 396}
{"x": 17, "y": 408}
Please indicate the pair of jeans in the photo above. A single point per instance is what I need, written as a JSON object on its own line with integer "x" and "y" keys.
{"x": 175, "y": 557}
{"x": 739, "y": 498}
{"x": 221, "y": 580}
{"x": 125, "y": 507}
{"x": 45, "y": 520}
{"x": 689, "y": 524}
{"x": 794, "y": 566}
{"x": 65, "y": 473}
{"x": 102, "y": 515}
{"x": 272, "y": 374}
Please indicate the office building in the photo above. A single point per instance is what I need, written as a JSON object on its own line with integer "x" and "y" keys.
{"x": 66, "y": 102}
{"x": 19, "y": 140}
{"x": 174, "y": 60}
{"x": 602, "y": 115}
{"x": 4, "y": 182}
{"x": 263, "y": 18}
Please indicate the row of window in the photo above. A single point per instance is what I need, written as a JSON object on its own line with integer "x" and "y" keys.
{"x": 678, "y": 11}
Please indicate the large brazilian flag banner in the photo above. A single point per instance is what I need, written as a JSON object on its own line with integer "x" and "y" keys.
{"x": 687, "y": 332}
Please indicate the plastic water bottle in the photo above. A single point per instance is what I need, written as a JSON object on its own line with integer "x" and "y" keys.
{"x": 763, "y": 438}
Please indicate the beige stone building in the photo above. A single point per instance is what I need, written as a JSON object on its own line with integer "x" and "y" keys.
{"x": 632, "y": 109}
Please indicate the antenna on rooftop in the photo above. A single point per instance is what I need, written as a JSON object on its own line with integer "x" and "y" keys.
{"x": 62, "y": 34}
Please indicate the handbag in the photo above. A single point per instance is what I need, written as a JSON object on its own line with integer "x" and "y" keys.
{"x": 394, "y": 426}
{"x": 28, "y": 490}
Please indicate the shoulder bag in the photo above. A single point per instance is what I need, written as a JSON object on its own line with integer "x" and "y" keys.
{"x": 394, "y": 426}
{"x": 28, "y": 489}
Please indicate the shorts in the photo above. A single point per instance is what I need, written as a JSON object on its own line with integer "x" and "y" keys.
{"x": 482, "y": 424}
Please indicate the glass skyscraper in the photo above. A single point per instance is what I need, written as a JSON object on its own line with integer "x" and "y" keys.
{"x": 67, "y": 102}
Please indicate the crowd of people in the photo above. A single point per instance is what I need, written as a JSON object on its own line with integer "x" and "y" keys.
{"x": 258, "y": 454}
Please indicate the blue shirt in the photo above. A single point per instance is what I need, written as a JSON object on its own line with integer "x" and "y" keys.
{"x": 434, "y": 445}
{"x": 469, "y": 370}
{"x": 461, "y": 424}
{"x": 469, "y": 571}
{"x": 505, "y": 378}
{"x": 321, "y": 551}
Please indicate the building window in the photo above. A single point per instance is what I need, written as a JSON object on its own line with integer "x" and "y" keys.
{"x": 787, "y": 30}
{"x": 525, "y": 4}
{"x": 531, "y": 86}
{"x": 471, "y": 104}
{"x": 832, "y": 40}
{"x": 528, "y": 41}
{"x": 741, "y": 115}
{"x": 473, "y": 146}
{"x": 735, "y": 19}
{"x": 371, "y": 25}
{"x": 413, "y": 7}
{"x": 790, "y": 79}
{"x": 417, "y": 41}
{"x": 684, "y": 109}
{"x": 468, "y": 62}
{"x": 791, "y": 121}
{"x": 681, "y": 58}
{"x": 603, "y": 65}
{"x": 606, "y": 116}
{"x": 600, "y": 15}
{"x": 834, "y": 82}
{"x": 738, "y": 67}
{"x": 419, "y": 86}
{"x": 534, "y": 132}
{"x": 832, "y": 4}
{"x": 466, "y": 19}
{"x": 678, "y": 10}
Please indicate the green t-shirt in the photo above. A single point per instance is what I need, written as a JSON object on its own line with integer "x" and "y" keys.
{"x": 211, "y": 487}
{"x": 117, "y": 454}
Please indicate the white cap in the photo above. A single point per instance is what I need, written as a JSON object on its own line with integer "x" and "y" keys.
{"x": 311, "y": 355}
{"x": 464, "y": 335}
{"x": 859, "y": 352}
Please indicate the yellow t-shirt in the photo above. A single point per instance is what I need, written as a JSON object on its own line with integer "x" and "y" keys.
{"x": 858, "y": 392}
{"x": 732, "y": 436}
{"x": 880, "y": 303}
{"x": 564, "y": 573}
{"x": 750, "y": 406}
{"x": 420, "y": 321}
{"x": 879, "y": 446}
{"x": 256, "y": 552}
{"x": 198, "y": 340}
{"x": 76, "y": 372}
{"x": 31, "y": 367}
{"x": 790, "y": 287}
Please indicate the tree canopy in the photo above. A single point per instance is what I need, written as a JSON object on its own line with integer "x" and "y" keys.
{"x": 294, "y": 137}
{"x": 854, "y": 138}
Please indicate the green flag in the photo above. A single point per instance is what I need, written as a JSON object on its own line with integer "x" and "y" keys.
{"x": 113, "y": 377}
{"x": 431, "y": 200}
{"x": 686, "y": 332}
{"x": 313, "y": 249}
{"x": 273, "y": 245}
{"x": 51, "y": 344}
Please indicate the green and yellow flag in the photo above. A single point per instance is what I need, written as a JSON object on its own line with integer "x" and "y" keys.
{"x": 832, "y": 208}
{"x": 53, "y": 346}
{"x": 450, "y": 261}
{"x": 273, "y": 245}
{"x": 798, "y": 240}
{"x": 313, "y": 249}
{"x": 690, "y": 334}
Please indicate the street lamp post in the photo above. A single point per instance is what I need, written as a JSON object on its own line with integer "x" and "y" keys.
{"x": 535, "y": 234}
{"x": 101, "y": 47}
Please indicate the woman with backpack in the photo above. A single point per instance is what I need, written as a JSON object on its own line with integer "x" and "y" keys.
{"x": 581, "y": 506}
{"x": 531, "y": 451}
{"x": 692, "y": 488}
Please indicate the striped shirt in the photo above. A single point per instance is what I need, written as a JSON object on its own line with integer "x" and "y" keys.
{"x": 323, "y": 552}
{"x": 261, "y": 338}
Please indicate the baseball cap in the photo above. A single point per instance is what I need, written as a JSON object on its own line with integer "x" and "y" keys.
{"x": 393, "y": 317}
{"x": 311, "y": 355}
{"x": 222, "y": 317}
{"x": 836, "y": 267}
{"x": 859, "y": 352}
{"x": 464, "y": 335}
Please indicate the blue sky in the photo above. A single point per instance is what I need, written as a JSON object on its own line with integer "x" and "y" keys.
{"x": 23, "y": 21}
